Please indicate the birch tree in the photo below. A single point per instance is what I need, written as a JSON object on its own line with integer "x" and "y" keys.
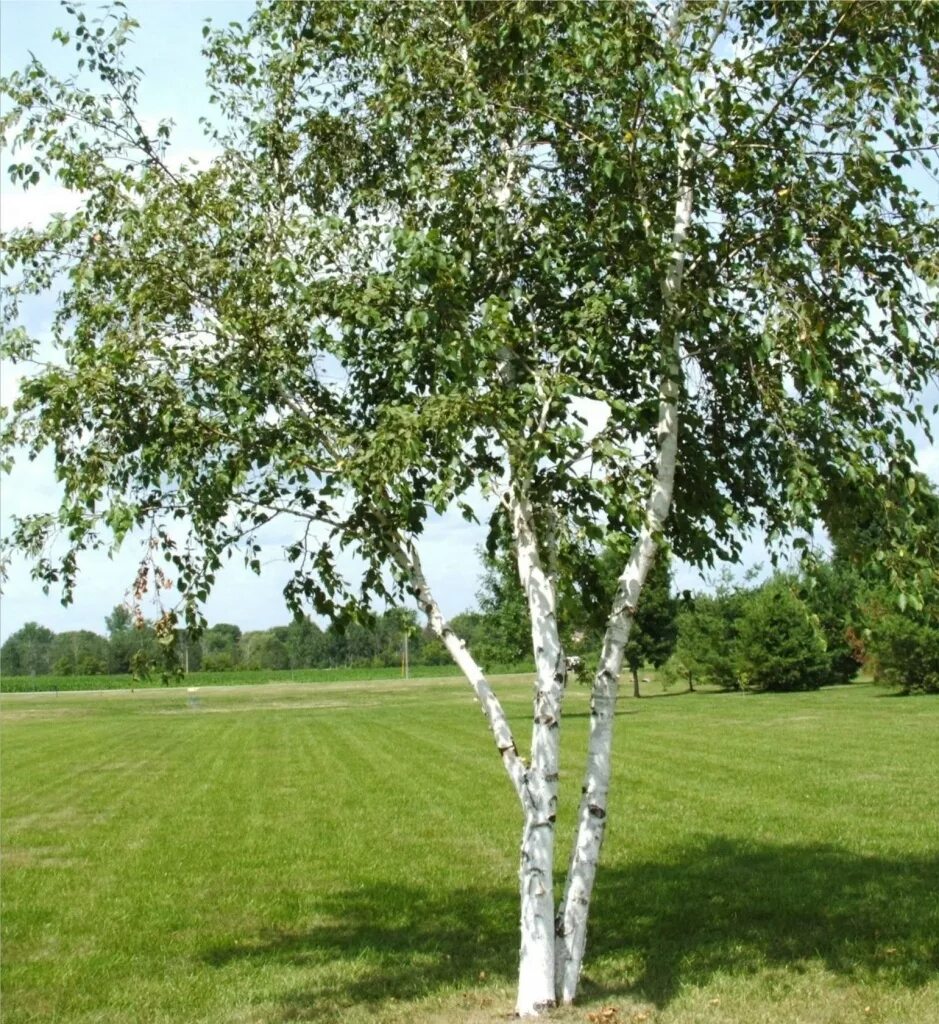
{"x": 433, "y": 234}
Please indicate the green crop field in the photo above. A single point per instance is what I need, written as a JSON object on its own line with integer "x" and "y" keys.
{"x": 347, "y": 853}
{"x": 235, "y": 677}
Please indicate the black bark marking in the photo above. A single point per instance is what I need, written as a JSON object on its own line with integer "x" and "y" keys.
{"x": 596, "y": 811}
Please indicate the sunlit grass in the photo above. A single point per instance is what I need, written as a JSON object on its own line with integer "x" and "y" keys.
{"x": 348, "y": 853}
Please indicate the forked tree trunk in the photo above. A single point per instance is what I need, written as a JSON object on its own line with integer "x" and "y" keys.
{"x": 536, "y": 784}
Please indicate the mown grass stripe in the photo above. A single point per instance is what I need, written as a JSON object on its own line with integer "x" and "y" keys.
{"x": 349, "y": 853}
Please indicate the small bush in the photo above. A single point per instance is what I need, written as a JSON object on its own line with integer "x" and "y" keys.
{"x": 906, "y": 651}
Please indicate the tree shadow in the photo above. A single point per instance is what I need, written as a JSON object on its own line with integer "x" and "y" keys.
{"x": 726, "y": 906}
{"x": 718, "y": 905}
{"x": 375, "y": 944}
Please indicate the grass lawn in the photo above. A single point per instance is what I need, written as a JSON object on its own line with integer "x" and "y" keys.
{"x": 346, "y": 852}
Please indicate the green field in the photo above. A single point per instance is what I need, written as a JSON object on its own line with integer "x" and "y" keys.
{"x": 347, "y": 852}
{"x": 235, "y": 677}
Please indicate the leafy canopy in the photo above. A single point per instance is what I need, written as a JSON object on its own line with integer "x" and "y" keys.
{"x": 429, "y": 231}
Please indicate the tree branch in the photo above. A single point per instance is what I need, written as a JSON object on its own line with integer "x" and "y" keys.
{"x": 405, "y": 555}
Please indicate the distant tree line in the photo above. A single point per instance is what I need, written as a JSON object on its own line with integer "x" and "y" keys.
{"x": 135, "y": 649}
{"x": 794, "y": 631}
{"x": 804, "y": 631}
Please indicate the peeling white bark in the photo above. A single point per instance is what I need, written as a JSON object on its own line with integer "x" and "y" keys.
{"x": 571, "y": 923}
{"x": 536, "y": 889}
{"x": 536, "y": 990}
{"x": 536, "y": 784}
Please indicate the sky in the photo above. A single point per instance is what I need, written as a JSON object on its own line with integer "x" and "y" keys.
{"x": 167, "y": 48}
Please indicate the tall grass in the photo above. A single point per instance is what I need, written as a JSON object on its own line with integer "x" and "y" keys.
{"x": 347, "y": 853}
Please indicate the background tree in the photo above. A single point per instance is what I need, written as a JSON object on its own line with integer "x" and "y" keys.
{"x": 900, "y": 627}
{"x": 779, "y": 646}
{"x": 120, "y": 619}
{"x": 305, "y": 643}
{"x": 902, "y": 635}
{"x": 263, "y": 650}
{"x": 27, "y": 652}
{"x": 130, "y": 641}
{"x": 833, "y": 593}
{"x": 504, "y": 607}
{"x": 655, "y": 630}
{"x": 79, "y": 653}
{"x": 905, "y": 646}
{"x": 389, "y": 632}
{"x": 707, "y": 647}
{"x": 477, "y": 217}
{"x": 221, "y": 647}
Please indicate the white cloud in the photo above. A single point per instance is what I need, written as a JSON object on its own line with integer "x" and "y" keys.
{"x": 34, "y": 207}
{"x": 927, "y": 459}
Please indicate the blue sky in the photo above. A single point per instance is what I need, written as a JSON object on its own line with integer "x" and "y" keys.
{"x": 167, "y": 48}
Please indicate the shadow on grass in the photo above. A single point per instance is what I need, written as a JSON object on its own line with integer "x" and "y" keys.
{"x": 381, "y": 943}
{"x": 715, "y": 906}
{"x": 727, "y": 906}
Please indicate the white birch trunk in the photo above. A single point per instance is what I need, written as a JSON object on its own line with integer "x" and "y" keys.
{"x": 537, "y": 783}
{"x": 536, "y": 889}
{"x": 536, "y": 983}
{"x": 571, "y": 924}
{"x": 408, "y": 561}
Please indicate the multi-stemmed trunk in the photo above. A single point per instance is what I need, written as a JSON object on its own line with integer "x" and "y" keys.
{"x": 553, "y": 943}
